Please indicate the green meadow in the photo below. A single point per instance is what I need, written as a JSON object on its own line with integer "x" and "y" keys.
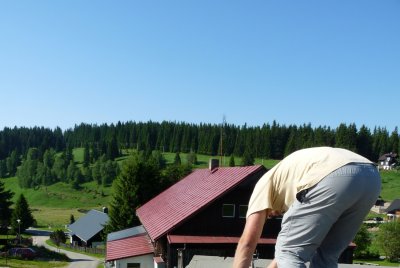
{"x": 53, "y": 205}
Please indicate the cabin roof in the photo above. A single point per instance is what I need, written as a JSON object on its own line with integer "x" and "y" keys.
{"x": 194, "y": 192}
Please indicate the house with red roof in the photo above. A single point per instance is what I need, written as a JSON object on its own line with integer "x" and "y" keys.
{"x": 130, "y": 248}
{"x": 202, "y": 214}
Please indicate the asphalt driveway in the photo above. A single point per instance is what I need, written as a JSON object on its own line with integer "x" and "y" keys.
{"x": 78, "y": 260}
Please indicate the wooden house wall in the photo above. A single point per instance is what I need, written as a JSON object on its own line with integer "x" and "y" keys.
{"x": 209, "y": 221}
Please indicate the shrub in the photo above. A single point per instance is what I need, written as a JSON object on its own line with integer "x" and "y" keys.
{"x": 388, "y": 239}
{"x": 58, "y": 237}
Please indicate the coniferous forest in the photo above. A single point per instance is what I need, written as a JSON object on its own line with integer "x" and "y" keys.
{"x": 49, "y": 151}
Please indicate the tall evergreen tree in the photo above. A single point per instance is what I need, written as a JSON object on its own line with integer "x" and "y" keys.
{"x": 232, "y": 161}
{"x": 94, "y": 152}
{"x": 177, "y": 159}
{"x": 394, "y": 141}
{"x": 12, "y": 163}
{"x": 364, "y": 142}
{"x": 69, "y": 155}
{"x": 86, "y": 155}
{"x": 191, "y": 158}
{"x": 136, "y": 184}
{"x": 59, "y": 168}
{"x": 96, "y": 171}
{"x": 247, "y": 159}
{"x": 3, "y": 169}
{"x": 23, "y": 213}
{"x": 158, "y": 159}
{"x": 112, "y": 149}
{"x": 49, "y": 158}
{"x": 109, "y": 171}
{"x": 71, "y": 219}
{"x": 5, "y": 207}
{"x": 27, "y": 173}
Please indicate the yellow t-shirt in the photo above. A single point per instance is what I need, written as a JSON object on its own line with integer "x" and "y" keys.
{"x": 300, "y": 170}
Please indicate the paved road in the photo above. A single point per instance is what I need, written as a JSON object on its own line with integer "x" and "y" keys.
{"x": 77, "y": 260}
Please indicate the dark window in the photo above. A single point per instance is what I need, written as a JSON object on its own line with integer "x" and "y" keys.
{"x": 228, "y": 210}
{"x": 242, "y": 211}
{"x": 133, "y": 265}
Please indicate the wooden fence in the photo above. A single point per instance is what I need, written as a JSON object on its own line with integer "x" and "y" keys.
{"x": 85, "y": 249}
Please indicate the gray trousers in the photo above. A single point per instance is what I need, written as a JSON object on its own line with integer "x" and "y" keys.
{"x": 320, "y": 225}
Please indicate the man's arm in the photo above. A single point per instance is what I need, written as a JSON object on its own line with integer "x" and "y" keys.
{"x": 249, "y": 239}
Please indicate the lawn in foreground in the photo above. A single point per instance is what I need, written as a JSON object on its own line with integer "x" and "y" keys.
{"x": 15, "y": 263}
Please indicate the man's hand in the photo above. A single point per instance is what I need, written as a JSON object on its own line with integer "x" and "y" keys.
{"x": 273, "y": 264}
{"x": 248, "y": 242}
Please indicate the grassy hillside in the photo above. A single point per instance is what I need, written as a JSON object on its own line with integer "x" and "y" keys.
{"x": 390, "y": 185}
{"x": 53, "y": 205}
{"x": 61, "y": 195}
{"x": 204, "y": 159}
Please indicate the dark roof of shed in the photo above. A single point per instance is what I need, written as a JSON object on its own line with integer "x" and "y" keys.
{"x": 126, "y": 233}
{"x": 384, "y": 156}
{"x": 89, "y": 225}
{"x": 170, "y": 208}
{"x": 395, "y": 205}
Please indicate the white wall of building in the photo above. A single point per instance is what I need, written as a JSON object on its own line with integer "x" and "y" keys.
{"x": 146, "y": 261}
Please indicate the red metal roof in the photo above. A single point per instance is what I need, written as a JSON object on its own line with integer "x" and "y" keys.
{"x": 188, "y": 239}
{"x": 195, "y": 191}
{"x": 129, "y": 247}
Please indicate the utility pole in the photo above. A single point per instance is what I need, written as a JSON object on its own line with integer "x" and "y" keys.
{"x": 221, "y": 136}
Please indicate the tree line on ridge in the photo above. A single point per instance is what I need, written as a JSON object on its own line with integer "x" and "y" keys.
{"x": 269, "y": 141}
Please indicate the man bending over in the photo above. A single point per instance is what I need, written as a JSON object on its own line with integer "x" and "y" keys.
{"x": 325, "y": 193}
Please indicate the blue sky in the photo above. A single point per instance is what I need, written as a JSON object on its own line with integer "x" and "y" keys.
{"x": 296, "y": 62}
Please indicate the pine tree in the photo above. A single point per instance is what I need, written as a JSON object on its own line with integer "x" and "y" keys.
{"x": 71, "y": 219}
{"x": 23, "y": 213}
{"x": 177, "y": 159}
{"x": 232, "y": 161}
{"x": 86, "y": 156}
{"x": 12, "y": 163}
{"x": 247, "y": 159}
{"x": 96, "y": 171}
{"x": 59, "y": 168}
{"x": 112, "y": 149}
{"x": 158, "y": 159}
{"x": 5, "y": 204}
{"x": 3, "y": 169}
{"x": 27, "y": 173}
{"x": 109, "y": 171}
{"x": 137, "y": 183}
{"x": 58, "y": 237}
{"x": 94, "y": 153}
{"x": 191, "y": 158}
